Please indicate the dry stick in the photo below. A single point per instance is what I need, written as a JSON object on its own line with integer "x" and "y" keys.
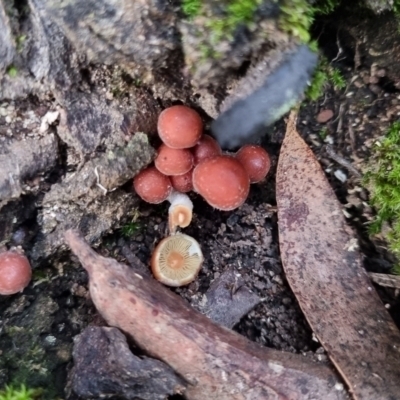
{"x": 215, "y": 362}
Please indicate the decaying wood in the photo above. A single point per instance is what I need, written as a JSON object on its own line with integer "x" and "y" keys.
{"x": 387, "y": 280}
{"x": 323, "y": 267}
{"x": 216, "y": 363}
{"x": 21, "y": 160}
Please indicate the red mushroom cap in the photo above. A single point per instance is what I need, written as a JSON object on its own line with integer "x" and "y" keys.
{"x": 173, "y": 161}
{"x": 180, "y": 127}
{"x": 152, "y": 186}
{"x": 255, "y": 161}
{"x": 15, "y": 272}
{"x": 222, "y": 181}
{"x": 183, "y": 183}
{"x": 207, "y": 147}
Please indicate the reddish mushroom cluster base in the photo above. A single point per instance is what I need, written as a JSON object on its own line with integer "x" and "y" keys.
{"x": 188, "y": 160}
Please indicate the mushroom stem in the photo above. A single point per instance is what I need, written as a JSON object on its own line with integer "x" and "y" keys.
{"x": 180, "y": 211}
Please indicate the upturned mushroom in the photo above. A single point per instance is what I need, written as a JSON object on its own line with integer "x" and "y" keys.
{"x": 255, "y": 160}
{"x": 180, "y": 127}
{"x": 222, "y": 181}
{"x": 15, "y": 272}
{"x": 180, "y": 211}
{"x": 176, "y": 260}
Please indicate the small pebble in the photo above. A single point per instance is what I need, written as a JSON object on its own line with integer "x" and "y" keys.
{"x": 324, "y": 116}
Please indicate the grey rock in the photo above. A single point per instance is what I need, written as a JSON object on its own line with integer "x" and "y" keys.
{"x": 7, "y": 45}
{"x": 228, "y": 300}
{"x": 119, "y": 32}
{"x": 105, "y": 367}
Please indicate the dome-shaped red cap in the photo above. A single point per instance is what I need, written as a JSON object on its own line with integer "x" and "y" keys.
{"x": 222, "y": 181}
{"x": 152, "y": 186}
{"x": 207, "y": 147}
{"x": 15, "y": 272}
{"x": 173, "y": 161}
{"x": 255, "y": 161}
{"x": 180, "y": 127}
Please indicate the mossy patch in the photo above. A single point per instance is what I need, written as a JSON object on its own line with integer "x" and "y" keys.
{"x": 383, "y": 181}
{"x": 19, "y": 393}
{"x": 324, "y": 74}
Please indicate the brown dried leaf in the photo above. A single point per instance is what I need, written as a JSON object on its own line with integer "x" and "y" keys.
{"x": 324, "y": 270}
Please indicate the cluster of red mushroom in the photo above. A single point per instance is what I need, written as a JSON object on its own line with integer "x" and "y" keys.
{"x": 190, "y": 160}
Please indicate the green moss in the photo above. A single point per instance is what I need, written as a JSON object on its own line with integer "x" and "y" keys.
{"x": 191, "y": 8}
{"x": 12, "y": 71}
{"x": 130, "y": 229}
{"x": 296, "y": 18}
{"x": 383, "y": 181}
{"x": 324, "y": 74}
{"x": 21, "y": 393}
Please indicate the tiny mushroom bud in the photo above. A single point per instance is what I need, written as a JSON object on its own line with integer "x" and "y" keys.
{"x": 207, "y": 147}
{"x": 222, "y": 181}
{"x": 173, "y": 161}
{"x": 180, "y": 127}
{"x": 180, "y": 211}
{"x": 255, "y": 161}
{"x": 176, "y": 260}
{"x": 152, "y": 186}
{"x": 15, "y": 272}
{"x": 183, "y": 183}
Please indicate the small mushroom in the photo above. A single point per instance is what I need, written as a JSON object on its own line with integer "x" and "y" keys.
{"x": 222, "y": 181}
{"x": 183, "y": 183}
{"x": 173, "y": 161}
{"x": 176, "y": 260}
{"x": 15, "y": 272}
{"x": 180, "y": 127}
{"x": 255, "y": 160}
{"x": 180, "y": 211}
{"x": 152, "y": 186}
{"x": 207, "y": 147}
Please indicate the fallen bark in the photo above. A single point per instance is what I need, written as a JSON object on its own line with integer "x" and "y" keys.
{"x": 215, "y": 362}
{"x": 323, "y": 267}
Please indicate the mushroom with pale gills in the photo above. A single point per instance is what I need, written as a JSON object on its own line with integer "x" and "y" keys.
{"x": 152, "y": 186}
{"x": 180, "y": 211}
{"x": 222, "y": 181}
{"x": 177, "y": 260}
{"x": 173, "y": 161}
{"x": 255, "y": 160}
{"x": 15, "y": 272}
{"x": 180, "y": 127}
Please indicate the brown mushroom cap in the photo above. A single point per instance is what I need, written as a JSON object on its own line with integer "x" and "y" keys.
{"x": 173, "y": 161}
{"x": 180, "y": 127}
{"x": 222, "y": 181}
{"x": 183, "y": 183}
{"x": 255, "y": 161}
{"x": 152, "y": 186}
{"x": 176, "y": 260}
{"x": 207, "y": 147}
{"x": 15, "y": 272}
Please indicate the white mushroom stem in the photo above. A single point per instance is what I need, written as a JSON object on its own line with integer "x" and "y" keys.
{"x": 180, "y": 211}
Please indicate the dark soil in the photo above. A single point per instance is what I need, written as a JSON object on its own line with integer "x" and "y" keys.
{"x": 56, "y": 306}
